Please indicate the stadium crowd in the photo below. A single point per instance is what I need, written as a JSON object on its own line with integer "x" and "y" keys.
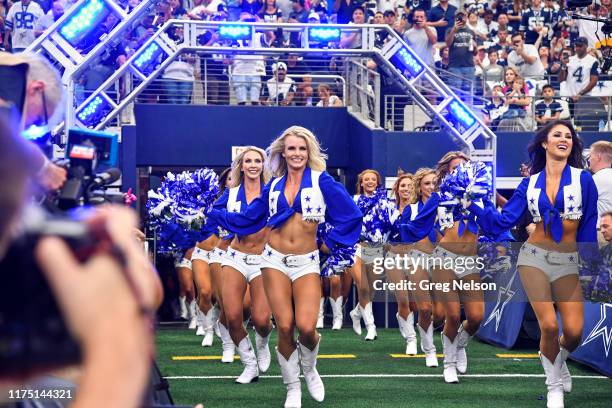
{"x": 529, "y": 48}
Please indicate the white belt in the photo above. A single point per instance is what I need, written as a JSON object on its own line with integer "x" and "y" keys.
{"x": 293, "y": 261}
{"x": 250, "y": 259}
{"x": 552, "y": 257}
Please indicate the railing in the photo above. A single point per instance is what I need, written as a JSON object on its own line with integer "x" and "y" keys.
{"x": 364, "y": 92}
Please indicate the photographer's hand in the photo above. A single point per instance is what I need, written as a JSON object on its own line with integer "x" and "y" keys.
{"x": 51, "y": 177}
{"x": 103, "y": 313}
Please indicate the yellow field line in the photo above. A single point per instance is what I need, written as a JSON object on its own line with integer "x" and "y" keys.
{"x": 517, "y": 356}
{"x": 415, "y": 356}
{"x": 196, "y": 358}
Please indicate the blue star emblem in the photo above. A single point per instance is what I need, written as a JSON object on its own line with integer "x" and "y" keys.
{"x": 232, "y": 254}
{"x": 307, "y": 199}
{"x": 503, "y": 297}
{"x": 571, "y": 208}
{"x": 570, "y": 197}
{"x": 601, "y": 85}
{"x": 235, "y": 210}
{"x": 533, "y": 251}
{"x": 313, "y": 257}
{"x": 579, "y": 208}
{"x": 602, "y": 329}
{"x": 571, "y": 258}
{"x": 308, "y": 209}
{"x": 319, "y": 209}
{"x": 531, "y": 200}
{"x": 269, "y": 253}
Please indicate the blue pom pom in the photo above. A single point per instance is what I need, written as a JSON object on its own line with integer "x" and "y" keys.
{"x": 341, "y": 258}
{"x": 469, "y": 181}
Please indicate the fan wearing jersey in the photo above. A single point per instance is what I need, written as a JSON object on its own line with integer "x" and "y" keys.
{"x": 20, "y": 22}
{"x": 580, "y": 72}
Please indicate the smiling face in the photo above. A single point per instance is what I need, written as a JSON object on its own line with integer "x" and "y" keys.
{"x": 428, "y": 183}
{"x": 559, "y": 143}
{"x": 358, "y": 17}
{"x": 252, "y": 165}
{"x": 295, "y": 152}
{"x": 405, "y": 188}
{"x": 510, "y": 75}
{"x": 369, "y": 182}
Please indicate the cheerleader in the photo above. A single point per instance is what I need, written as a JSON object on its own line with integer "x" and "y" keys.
{"x": 425, "y": 181}
{"x": 404, "y": 194}
{"x": 241, "y": 267}
{"x": 457, "y": 242}
{"x": 369, "y": 193}
{"x": 187, "y": 296}
{"x": 562, "y": 199}
{"x": 329, "y": 284}
{"x": 215, "y": 258}
{"x": 300, "y": 196}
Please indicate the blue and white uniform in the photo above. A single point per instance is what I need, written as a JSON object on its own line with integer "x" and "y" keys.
{"x": 234, "y": 200}
{"x": 440, "y": 213}
{"x": 409, "y": 214}
{"x": 208, "y": 229}
{"x": 575, "y": 200}
{"x": 320, "y": 199}
{"x": 373, "y": 234}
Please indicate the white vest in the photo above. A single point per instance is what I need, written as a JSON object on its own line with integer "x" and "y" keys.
{"x": 311, "y": 199}
{"x": 233, "y": 205}
{"x": 572, "y": 197}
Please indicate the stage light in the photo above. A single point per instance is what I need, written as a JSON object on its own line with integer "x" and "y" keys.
{"x": 404, "y": 60}
{"x": 461, "y": 114}
{"x": 324, "y": 34}
{"x": 235, "y": 32}
{"x": 93, "y": 110}
{"x": 84, "y": 21}
{"x": 35, "y": 132}
{"x": 147, "y": 56}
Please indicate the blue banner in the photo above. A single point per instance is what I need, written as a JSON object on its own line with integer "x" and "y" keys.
{"x": 596, "y": 338}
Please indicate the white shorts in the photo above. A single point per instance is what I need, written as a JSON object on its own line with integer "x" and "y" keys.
{"x": 182, "y": 263}
{"x": 201, "y": 255}
{"x": 462, "y": 265}
{"x": 216, "y": 256}
{"x": 554, "y": 264}
{"x": 249, "y": 265}
{"x": 421, "y": 259}
{"x": 368, "y": 253}
{"x": 294, "y": 266}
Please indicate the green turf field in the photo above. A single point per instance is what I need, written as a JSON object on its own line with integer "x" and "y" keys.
{"x": 495, "y": 382}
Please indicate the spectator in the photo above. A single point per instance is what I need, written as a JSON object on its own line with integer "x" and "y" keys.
{"x": 493, "y": 71}
{"x": 461, "y": 43}
{"x": 525, "y": 58}
{"x": 421, "y": 37}
{"x": 247, "y": 70}
{"x": 502, "y": 39}
{"x": 20, "y": 23}
{"x": 207, "y": 10}
{"x": 353, "y": 40}
{"x": 592, "y": 30}
{"x": 179, "y": 76}
{"x": 57, "y": 10}
{"x": 280, "y": 89}
{"x": 214, "y": 67}
{"x": 299, "y": 13}
{"x": 580, "y": 72}
{"x": 475, "y": 6}
{"x": 327, "y": 97}
{"x": 250, "y": 6}
{"x": 384, "y": 5}
{"x": 177, "y": 10}
{"x": 493, "y": 110}
{"x": 547, "y": 109}
{"x": 600, "y": 160}
{"x": 344, "y": 10}
{"x": 605, "y": 235}
{"x": 304, "y": 95}
{"x": 379, "y": 18}
{"x": 514, "y": 12}
{"x": 412, "y": 5}
{"x": 534, "y": 21}
{"x": 502, "y": 25}
{"x": 442, "y": 65}
{"x": 488, "y": 25}
{"x": 476, "y": 26}
{"x": 515, "y": 117}
{"x": 270, "y": 13}
{"x": 233, "y": 10}
{"x": 442, "y": 17}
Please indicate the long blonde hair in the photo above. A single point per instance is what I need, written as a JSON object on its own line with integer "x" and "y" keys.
{"x": 360, "y": 179}
{"x": 419, "y": 175}
{"x": 277, "y": 165}
{"x": 442, "y": 168}
{"x": 236, "y": 172}
{"x": 396, "y": 185}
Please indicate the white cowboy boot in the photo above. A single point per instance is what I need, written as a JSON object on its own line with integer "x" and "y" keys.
{"x": 321, "y": 313}
{"x": 193, "y": 315}
{"x": 463, "y": 337}
{"x": 183, "y": 305}
{"x": 200, "y": 330}
{"x": 356, "y": 318}
{"x": 566, "y": 377}
{"x": 263, "y": 351}
{"x": 427, "y": 346}
{"x": 450, "y": 359}
{"x": 209, "y": 333}
{"x": 308, "y": 360}
{"x": 247, "y": 356}
{"x": 215, "y": 321}
{"x": 368, "y": 319}
{"x": 338, "y": 313}
{"x": 290, "y": 370}
{"x": 554, "y": 398}
{"x": 407, "y": 331}
{"x": 229, "y": 349}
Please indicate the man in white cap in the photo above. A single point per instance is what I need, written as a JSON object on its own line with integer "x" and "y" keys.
{"x": 280, "y": 89}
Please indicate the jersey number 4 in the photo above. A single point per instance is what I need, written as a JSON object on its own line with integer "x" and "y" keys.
{"x": 578, "y": 74}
